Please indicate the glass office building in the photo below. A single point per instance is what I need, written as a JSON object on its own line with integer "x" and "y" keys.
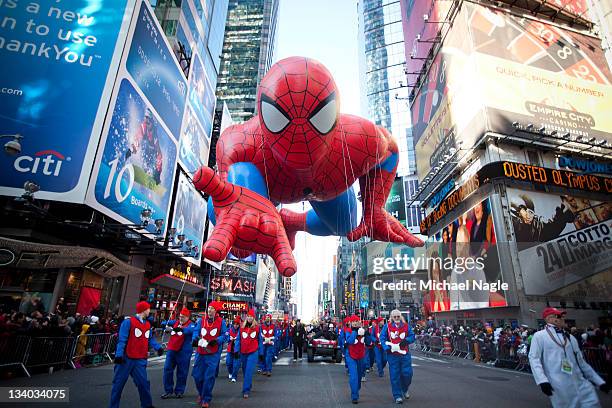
{"x": 248, "y": 52}
{"x": 382, "y": 64}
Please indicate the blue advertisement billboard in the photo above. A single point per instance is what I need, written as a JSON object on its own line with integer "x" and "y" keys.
{"x": 136, "y": 162}
{"x": 59, "y": 61}
{"x": 151, "y": 63}
{"x": 201, "y": 95}
{"x": 189, "y": 217}
{"x": 194, "y": 144}
{"x": 136, "y": 170}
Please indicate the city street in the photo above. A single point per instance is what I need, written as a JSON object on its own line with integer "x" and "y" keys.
{"x": 437, "y": 381}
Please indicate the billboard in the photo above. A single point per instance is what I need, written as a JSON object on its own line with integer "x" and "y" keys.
{"x": 419, "y": 33}
{"x": 189, "y": 216}
{"x": 153, "y": 68}
{"x": 234, "y": 287}
{"x": 58, "y": 66}
{"x": 465, "y": 253}
{"x": 396, "y": 201}
{"x": 135, "y": 166}
{"x": 201, "y": 95}
{"x": 194, "y": 146}
{"x": 561, "y": 239}
{"x": 547, "y": 76}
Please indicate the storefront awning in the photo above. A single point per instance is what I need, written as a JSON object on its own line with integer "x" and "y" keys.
{"x": 177, "y": 284}
{"x": 33, "y": 255}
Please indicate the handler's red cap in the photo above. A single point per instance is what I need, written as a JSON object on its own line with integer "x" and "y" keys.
{"x": 268, "y": 316}
{"x": 216, "y": 305}
{"x": 185, "y": 312}
{"x": 237, "y": 320}
{"x": 552, "y": 311}
{"x": 142, "y": 306}
{"x": 251, "y": 312}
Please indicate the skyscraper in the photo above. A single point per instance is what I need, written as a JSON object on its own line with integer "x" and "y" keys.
{"x": 248, "y": 51}
{"x": 384, "y": 86}
{"x": 382, "y": 65}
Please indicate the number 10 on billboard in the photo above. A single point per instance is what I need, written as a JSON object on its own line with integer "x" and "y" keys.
{"x": 129, "y": 169}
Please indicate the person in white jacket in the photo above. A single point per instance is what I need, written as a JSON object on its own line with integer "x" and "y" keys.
{"x": 559, "y": 368}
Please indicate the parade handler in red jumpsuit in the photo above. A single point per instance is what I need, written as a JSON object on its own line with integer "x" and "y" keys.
{"x": 133, "y": 344}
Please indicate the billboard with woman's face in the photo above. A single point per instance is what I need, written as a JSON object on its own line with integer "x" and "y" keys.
{"x": 463, "y": 264}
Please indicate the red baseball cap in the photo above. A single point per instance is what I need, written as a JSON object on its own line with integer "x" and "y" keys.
{"x": 216, "y": 305}
{"x": 185, "y": 312}
{"x": 251, "y": 312}
{"x": 552, "y": 311}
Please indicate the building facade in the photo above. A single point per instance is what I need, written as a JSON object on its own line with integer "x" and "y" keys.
{"x": 520, "y": 184}
{"x": 123, "y": 233}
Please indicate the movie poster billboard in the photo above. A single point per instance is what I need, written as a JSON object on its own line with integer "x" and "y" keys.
{"x": 59, "y": 61}
{"x": 396, "y": 201}
{"x": 547, "y": 76}
{"x": 135, "y": 166}
{"x": 189, "y": 218}
{"x": 465, "y": 258}
{"x": 561, "y": 239}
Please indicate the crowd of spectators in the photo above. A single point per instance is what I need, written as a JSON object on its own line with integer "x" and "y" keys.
{"x": 490, "y": 344}
{"x": 34, "y": 321}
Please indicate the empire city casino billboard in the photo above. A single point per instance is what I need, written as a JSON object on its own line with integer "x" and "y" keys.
{"x": 496, "y": 68}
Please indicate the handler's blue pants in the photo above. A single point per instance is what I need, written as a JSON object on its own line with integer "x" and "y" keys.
{"x": 179, "y": 360}
{"x": 371, "y": 357}
{"x": 233, "y": 365}
{"x": 203, "y": 373}
{"x": 137, "y": 368}
{"x": 269, "y": 353}
{"x": 400, "y": 372}
{"x": 248, "y": 362}
{"x": 356, "y": 370}
{"x": 381, "y": 360}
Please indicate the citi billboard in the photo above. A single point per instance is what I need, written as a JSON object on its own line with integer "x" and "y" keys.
{"x": 71, "y": 50}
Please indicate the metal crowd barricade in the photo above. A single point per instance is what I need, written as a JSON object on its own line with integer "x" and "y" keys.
{"x": 92, "y": 347}
{"x": 436, "y": 344}
{"x": 596, "y": 357}
{"x": 14, "y": 351}
{"x": 112, "y": 344}
{"x": 462, "y": 347}
{"x": 49, "y": 351}
{"x": 506, "y": 356}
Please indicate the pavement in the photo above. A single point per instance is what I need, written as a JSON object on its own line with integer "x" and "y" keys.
{"x": 438, "y": 381}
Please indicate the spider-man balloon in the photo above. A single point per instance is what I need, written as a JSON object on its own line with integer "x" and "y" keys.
{"x": 299, "y": 147}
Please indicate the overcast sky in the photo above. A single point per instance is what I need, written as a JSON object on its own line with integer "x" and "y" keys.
{"x": 326, "y": 31}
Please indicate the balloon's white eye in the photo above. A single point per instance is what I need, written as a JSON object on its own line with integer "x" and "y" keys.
{"x": 324, "y": 117}
{"x": 253, "y": 334}
{"x": 274, "y": 119}
{"x": 137, "y": 332}
{"x": 148, "y": 333}
{"x": 203, "y": 331}
{"x": 213, "y": 332}
{"x": 244, "y": 335}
